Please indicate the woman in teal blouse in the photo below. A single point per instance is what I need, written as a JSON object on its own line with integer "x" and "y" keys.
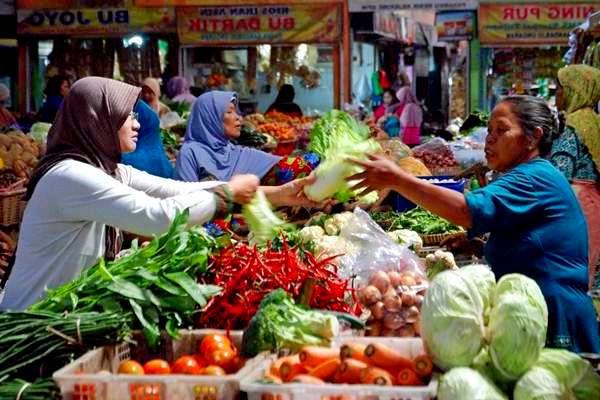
{"x": 535, "y": 223}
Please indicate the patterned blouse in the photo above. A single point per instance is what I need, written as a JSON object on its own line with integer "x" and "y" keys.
{"x": 572, "y": 157}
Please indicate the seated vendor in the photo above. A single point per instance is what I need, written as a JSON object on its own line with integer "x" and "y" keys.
{"x": 284, "y": 102}
{"x": 208, "y": 153}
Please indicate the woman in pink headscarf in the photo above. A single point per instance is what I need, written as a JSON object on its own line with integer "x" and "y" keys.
{"x": 411, "y": 116}
{"x": 178, "y": 89}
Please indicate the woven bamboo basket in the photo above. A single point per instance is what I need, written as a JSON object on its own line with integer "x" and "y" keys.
{"x": 435, "y": 240}
{"x": 12, "y": 206}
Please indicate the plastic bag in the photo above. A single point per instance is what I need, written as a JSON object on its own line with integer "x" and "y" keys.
{"x": 362, "y": 90}
{"x": 374, "y": 251}
{"x": 171, "y": 119}
{"x": 435, "y": 145}
{"x": 39, "y": 132}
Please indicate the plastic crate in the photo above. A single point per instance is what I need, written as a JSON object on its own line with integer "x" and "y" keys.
{"x": 401, "y": 203}
{"x": 410, "y": 347}
{"x": 80, "y": 379}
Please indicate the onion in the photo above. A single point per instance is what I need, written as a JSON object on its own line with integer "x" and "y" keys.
{"x": 394, "y": 278}
{"x": 389, "y": 332}
{"x": 408, "y": 299}
{"x": 406, "y": 331}
{"x": 380, "y": 280}
{"x": 374, "y": 328}
{"x": 370, "y": 295}
{"x": 412, "y": 315}
{"x": 417, "y": 327}
{"x": 392, "y": 321}
{"x": 418, "y": 300}
{"x": 378, "y": 310}
{"x": 407, "y": 279}
{"x": 392, "y": 302}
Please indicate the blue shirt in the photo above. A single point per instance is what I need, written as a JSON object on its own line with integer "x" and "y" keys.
{"x": 537, "y": 228}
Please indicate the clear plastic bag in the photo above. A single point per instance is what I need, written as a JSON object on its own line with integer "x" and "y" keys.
{"x": 374, "y": 251}
{"x": 435, "y": 145}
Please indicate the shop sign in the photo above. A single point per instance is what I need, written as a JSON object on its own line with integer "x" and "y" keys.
{"x": 395, "y": 5}
{"x": 388, "y": 25}
{"x": 455, "y": 25}
{"x": 531, "y": 23}
{"x": 301, "y": 23}
{"x": 95, "y": 21}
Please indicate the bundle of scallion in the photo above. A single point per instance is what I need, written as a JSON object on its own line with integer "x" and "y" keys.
{"x": 41, "y": 389}
{"x": 157, "y": 283}
{"x": 35, "y": 344}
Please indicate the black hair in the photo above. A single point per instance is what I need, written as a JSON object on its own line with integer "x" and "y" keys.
{"x": 53, "y": 85}
{"x": 394, "y": 97}
{"x": 533, "y": 112}
{"x": 286, "y": 94}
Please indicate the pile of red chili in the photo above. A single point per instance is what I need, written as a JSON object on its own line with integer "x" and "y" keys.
{"x": 247, "y": 274}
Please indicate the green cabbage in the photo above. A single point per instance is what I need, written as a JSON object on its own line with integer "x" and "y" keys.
{"x": 263, "y": 223}
{"x": 452, "y": 320}
{"x": 520, "y": 284}
{"x": 572, "y": 371}
{"x": 516, "y": 335}
{"x": 467, "y": 384}
{"x": 540, "y": 384}
{"x": 484, "y": 280}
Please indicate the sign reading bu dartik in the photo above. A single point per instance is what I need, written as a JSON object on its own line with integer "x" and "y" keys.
{"x": 532, "y": 23}
{"x": 95, "y": 21}
{"x": 298, "y": 23}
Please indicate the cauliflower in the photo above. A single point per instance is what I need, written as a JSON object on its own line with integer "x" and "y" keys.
{"x": 438, "y": 262}
{"x": 311, "y": 233}
{"x": 407, "y": 237}
{"x": 334, "y": 225}
{"x": 328, "y": 246}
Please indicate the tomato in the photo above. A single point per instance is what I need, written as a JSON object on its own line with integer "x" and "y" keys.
{"x": 131, "y": 367}
{"x": 213, "y": 370}
{"x": 144, "y": 392}
{"x": 157, "y": 367}
{"x": 200, "y": 360}
{"x": 235, "y": 365}
{"x": 186, "y": 365}
{"x": 211, "y": 343}
{"x": 221, "y": 358}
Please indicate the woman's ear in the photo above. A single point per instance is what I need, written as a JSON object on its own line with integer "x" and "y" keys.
{"x": 538, "y": 133}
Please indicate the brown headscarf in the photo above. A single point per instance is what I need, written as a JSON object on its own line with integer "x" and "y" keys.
{"x": 85, "y": 129}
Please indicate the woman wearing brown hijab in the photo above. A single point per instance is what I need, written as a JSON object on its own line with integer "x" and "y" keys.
{"x": 80, "y": 194}
{"x": 151, "y": 94}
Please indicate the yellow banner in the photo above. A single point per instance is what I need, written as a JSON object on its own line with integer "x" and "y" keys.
{"x": 315, "y": 23}
{"x": 95, "y": 21}
{"x": 531, "y": 24}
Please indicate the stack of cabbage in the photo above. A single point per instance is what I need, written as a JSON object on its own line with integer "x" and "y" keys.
{"x": 490, "y": 338}
{"x": 335, "y": 137}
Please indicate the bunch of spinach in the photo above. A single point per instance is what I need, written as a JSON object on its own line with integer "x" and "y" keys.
{"x": 419, "y": 220}
{"x": 157, "y": 283}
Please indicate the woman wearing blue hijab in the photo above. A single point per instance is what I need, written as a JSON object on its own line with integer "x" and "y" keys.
{"x": 149, "y": 154}
{"x": 208, "y": 153}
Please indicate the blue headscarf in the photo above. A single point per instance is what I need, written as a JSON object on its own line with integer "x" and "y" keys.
{"x": 207, "y": 152}
{"x": 149, "y": 154}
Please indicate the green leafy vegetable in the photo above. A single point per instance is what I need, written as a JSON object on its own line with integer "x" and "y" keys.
{"x": 280, "y": 323}
{"x": 467, "y": 384}
{"x": 262, "y": 221}
{"x": 539, "y": 384}
{"x": 452, "y": 320}
{"x": 417, "y": 219}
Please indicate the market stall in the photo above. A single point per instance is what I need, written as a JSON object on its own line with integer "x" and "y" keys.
{"x": 583, "y": 43}
{"x": 111, "y": 39}
{"x": 526, "y": 42}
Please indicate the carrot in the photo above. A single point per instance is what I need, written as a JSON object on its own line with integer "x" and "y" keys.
{"x": 376, "y": 376}
{"x": 311, "y": 356}
{"x": 269, "y": 377}
{"x": 350, "y": 371}
{"x": 276, "y": 366}
{"x": 408, "y": 377}
{"x": 290, "y": 368}
{"x": 309, "y": 379}
{"x": 353, "y": 350}
{"x": 326, "y": 370}
{"x": 382, "y": 356}
{"x": 423, "y": 366}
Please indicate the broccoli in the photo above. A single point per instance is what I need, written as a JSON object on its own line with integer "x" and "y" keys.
{"x": 280, "y": 323}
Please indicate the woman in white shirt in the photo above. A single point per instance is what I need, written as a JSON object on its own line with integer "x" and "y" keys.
{"x": 80, "y": 196}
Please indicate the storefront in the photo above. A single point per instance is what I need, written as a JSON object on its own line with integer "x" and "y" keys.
{"x": 71, "y": 38}
{"x": 525, "y": 43}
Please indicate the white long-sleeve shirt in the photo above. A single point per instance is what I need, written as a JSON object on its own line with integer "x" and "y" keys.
{"x": 64, "y": 223}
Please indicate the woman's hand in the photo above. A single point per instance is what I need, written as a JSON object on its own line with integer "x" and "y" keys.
{"x": 291, "y": 194}
{"x": 243, "y": 188}
{"x": 380, "y": 173}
